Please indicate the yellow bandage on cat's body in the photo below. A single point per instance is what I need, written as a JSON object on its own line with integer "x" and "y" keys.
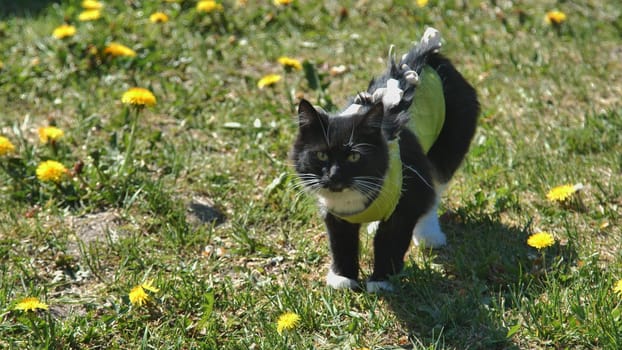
{"x": 427, "y": 119}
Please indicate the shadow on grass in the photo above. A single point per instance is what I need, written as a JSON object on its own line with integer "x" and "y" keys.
{"x": 462, "y": 307}
{"x": 204, "y": 213}
{"x": 23, "y": 8}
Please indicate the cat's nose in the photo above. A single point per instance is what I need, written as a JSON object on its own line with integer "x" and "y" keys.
{"x": 333, "y": 173}
{"x": 335, "y": 182}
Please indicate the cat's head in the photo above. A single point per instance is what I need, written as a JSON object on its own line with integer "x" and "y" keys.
{"x": 342, "y": 158}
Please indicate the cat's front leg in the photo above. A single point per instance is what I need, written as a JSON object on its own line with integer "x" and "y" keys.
{"x": 344, "y": 248}
{"x": 391, "y": 242}
{"x": 394, "y": 235}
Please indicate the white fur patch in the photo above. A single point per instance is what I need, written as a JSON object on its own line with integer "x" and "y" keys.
{"x": 379, "y": 286}
{"x": 427, "y": 232}
{"x": 345, "y": 202}
{"x": 339, "y": 282}
{"x": 431, "y": 37}
{"x": 352, "y": 109}
{"x": 392, "y": 95}
{"x": 411, "y": 77}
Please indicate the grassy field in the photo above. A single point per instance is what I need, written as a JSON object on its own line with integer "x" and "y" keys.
{"x": 193, "y": 197}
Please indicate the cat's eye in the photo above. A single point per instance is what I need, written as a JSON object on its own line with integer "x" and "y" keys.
{"x": 321, "y": 156}
{"x": 354, "y": 157}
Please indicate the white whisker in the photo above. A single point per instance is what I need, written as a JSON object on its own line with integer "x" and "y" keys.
{"x": 363, "y": 148}
{"x": 419, "y": 175}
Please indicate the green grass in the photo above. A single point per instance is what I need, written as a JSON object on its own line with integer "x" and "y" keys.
{"x": 551, "y": 115}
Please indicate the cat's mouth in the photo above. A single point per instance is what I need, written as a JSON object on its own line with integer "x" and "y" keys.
{"x": 336, "y": 187}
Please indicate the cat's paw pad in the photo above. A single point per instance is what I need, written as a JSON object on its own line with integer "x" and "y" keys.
{"x": 339, "y": 282}
{"x": 429, "y": 239}
{"x": 379, "y": 286}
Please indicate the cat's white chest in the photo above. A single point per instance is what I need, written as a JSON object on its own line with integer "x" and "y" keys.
{"x": 346, "y": 202}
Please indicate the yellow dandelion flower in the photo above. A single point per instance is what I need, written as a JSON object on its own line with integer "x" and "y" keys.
{"x": 64, "y": 31}
{"x": 617, "y": 288}
{"x": 208, "y": 6}
{"x": 422, "y": 3}
{"x": 51, "y": 170}
{"x": 268, "y": 80}
{"x": 92, "y": 5}
{"x": 541, "y": 240}
{"x": 290, "y": 63}
{"x": 563, "y": 192}
{"x": 89, "y": 15}
{"x": 286, "y": 321}
{"x": 31, "y": 304}
{"x": 138, "y": 296}
{"x": 555, "y": 18}
{"x": 116, "y": 49}
{"x": 158, "y": 17}
{"x": 282, "y": 2}
{"x": 137, "y": 96}
{"x": 149, "y": 286}
{"x": 50, "y": 134}
{"x": 6, "y": 146}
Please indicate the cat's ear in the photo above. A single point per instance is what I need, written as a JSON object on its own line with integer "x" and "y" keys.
{"x": 308, "y": 116}
{"x": 306, "y": 113}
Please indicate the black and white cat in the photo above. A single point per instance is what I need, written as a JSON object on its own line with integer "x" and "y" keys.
{"x": 386, "y": 158}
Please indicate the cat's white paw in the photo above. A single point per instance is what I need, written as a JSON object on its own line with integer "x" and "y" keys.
{"x": 427, "y": 232}
{"x": 429, "y": 239}
{"x": 339, "y": 282}
{"x": 379, "y": 286}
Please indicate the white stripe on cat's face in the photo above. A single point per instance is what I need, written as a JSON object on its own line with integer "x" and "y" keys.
{"x": 346, "y": 202}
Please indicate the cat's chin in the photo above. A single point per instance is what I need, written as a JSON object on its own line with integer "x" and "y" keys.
{"x": 345, "y": 202}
